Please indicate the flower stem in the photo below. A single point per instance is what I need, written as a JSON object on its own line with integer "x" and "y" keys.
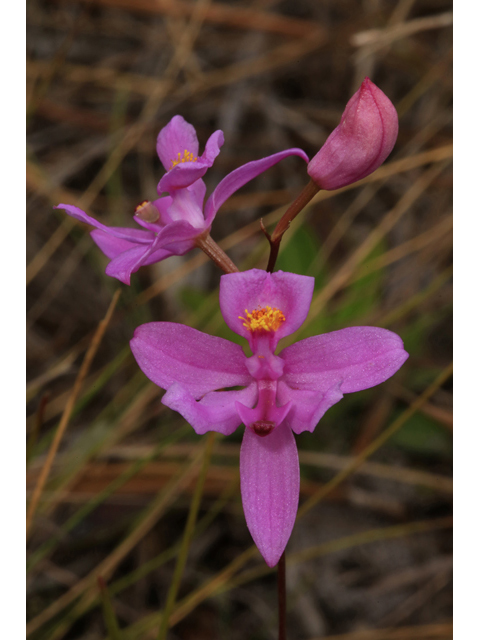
{"x": 293, "y": 210}
{"x": 215, "y": 253}
{"x": 282, "y": 599}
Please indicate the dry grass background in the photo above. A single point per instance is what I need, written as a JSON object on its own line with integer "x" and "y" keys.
{"x": 370, "y": 556}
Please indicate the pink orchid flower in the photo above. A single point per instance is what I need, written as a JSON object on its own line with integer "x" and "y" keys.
{"x": 281, "y": 395}
{"x": 362, "y": 141}
{"x": 172, "y": 223}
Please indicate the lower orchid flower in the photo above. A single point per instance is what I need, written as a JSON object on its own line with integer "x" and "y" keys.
{"x": 281, "y": 394}
{"x": 174, "y": 224}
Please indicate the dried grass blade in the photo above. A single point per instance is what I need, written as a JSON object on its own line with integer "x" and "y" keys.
{"x": 377, "y": 443}
{"x": 187, "y": 537}
{"x": 86, "y": 585}
{"x": 92, "y": 350}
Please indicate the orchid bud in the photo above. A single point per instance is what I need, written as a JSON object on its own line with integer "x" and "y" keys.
{"x": 364, "y": 138}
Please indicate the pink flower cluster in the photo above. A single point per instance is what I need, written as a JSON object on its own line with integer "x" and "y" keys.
{"x": 209, "y": 380}
{"x": 172, "y": 223}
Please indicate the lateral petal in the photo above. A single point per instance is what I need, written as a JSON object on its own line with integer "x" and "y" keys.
{"x": 110, "y": 245}
{"x": 270, "y": 486}
{"x": 356, "y": 358}
{"x": 236, "y": 179}
{"x": 138, "y": 236}
{"x": 168, "y": 353}
{"x": 214, "y": 412}
{"x": 124, "y": 264}
{"x": 307, "y": 407}
{"x": 178, "y": 237}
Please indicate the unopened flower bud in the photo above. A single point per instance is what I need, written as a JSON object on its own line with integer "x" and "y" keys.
{"x": 364, "y": 138}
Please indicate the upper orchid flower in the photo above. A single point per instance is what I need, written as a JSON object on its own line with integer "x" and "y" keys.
{"x": 281, "y": 394}
{"x": 173, "y": 223}
{"x": 364, "y": 138}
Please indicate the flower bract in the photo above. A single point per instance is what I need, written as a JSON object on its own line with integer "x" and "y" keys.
{"x": 216, "y": 387}
{"x": 171, "y": 224}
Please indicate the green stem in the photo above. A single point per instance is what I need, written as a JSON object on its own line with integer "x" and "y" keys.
{"x": 109, "y": 616}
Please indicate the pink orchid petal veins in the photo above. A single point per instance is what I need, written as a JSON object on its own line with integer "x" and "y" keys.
{"x": 110, "y": 245}
{"x": 170, "y": 353}
{"x": 357, "y": 357}
{"x": 270, "y": 486}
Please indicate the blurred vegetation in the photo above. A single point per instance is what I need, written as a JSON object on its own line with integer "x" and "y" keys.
{"x": 371, "y": 558}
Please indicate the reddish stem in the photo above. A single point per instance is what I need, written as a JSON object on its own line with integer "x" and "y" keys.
{"x": 293, "y": 210}
{"x": 215, "y": 253}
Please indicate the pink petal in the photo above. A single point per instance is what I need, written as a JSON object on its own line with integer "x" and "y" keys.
{"x": 214, "y": 412}
{"x": 185, "y": 207}
{"x": 185, "y": 174}
{"x": 356, "y": 358}
{"x": 178, "y": 237}
{"x": 137, "y": 236}
{"x": 307, "y": 407}
{"x": 255, "y": 289}
{"x": 167, "y": 353}
{"x": 212, "y": 148}
{"x": 270, "y": 418}
{"x": 110, "y": 245}
{"x": 123, "y": 265}
{"x": 270, "y": 485}
{"x": 236, "y": 179}
{"x": 198, "y": 190}
{"x": 157, "y": 255}
{"x": 175, "y": 138}
{"x": 163, "y": 204}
